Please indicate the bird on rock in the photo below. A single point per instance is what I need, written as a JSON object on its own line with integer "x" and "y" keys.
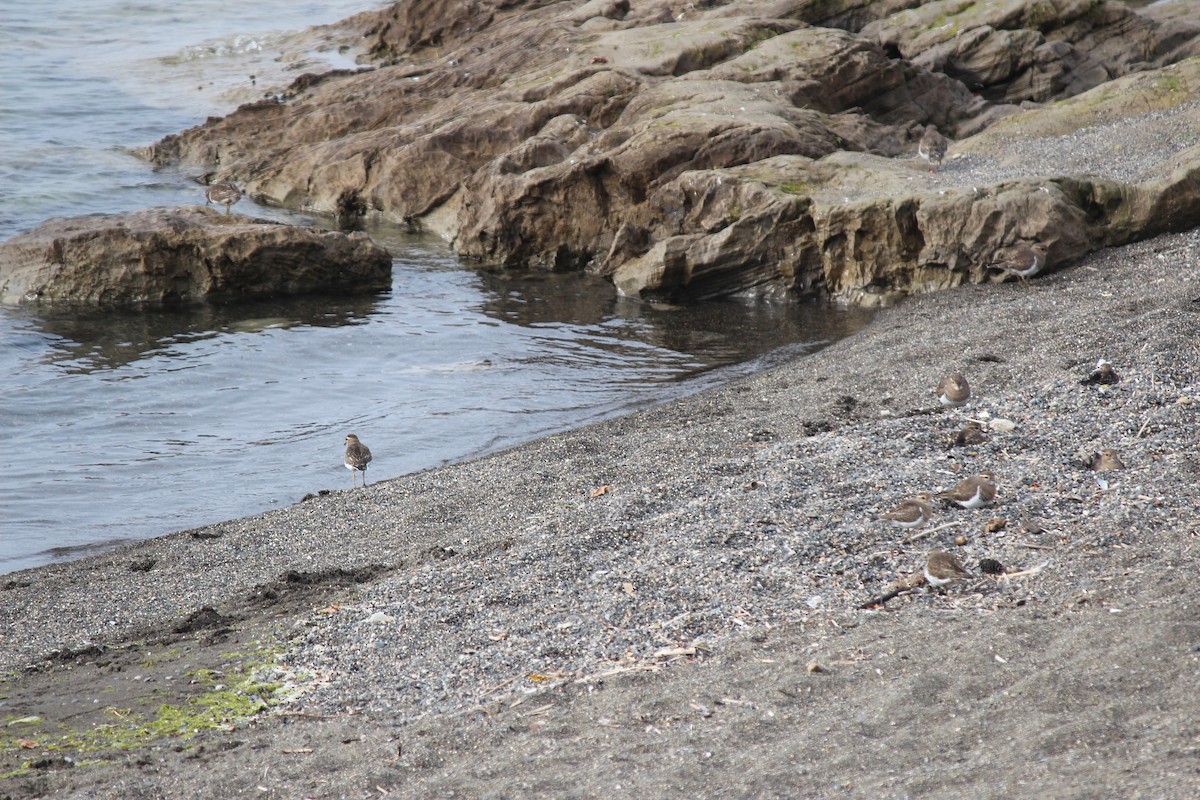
{"x": 225, "y": 193}
{"x": 932, "y": 147}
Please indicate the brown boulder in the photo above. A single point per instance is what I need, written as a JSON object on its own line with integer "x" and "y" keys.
{"x": 168, "y": 255}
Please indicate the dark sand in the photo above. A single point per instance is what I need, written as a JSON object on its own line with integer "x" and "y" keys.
{"x": 668, "y": 604}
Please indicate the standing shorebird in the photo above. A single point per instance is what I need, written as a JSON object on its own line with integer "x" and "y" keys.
{"x": 932, "y": 147}
{"x": 1026, "y": 261}
{"x": 358, "y": 455}
{"x": 225, "y": 193}
{"x": 941, "y": 569}
{"x": 953, "y": 390}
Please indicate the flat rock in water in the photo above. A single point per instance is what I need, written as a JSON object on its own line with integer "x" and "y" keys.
{"x": 179, "y": 255}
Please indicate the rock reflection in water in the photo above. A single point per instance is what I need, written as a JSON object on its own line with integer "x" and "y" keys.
{"x": 90, "y": 339}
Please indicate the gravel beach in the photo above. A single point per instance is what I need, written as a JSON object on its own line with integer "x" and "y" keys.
{"x": 672, "y": 602}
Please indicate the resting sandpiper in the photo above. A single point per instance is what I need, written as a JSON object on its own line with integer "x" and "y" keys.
{"x": 941, "y": 568}
{"x": 978, "y": 490}
{"x": 953, "y": 390}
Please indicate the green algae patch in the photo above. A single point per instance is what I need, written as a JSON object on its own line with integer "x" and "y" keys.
{"x": 109, "y": 714}
{"x": 796, "y": 188}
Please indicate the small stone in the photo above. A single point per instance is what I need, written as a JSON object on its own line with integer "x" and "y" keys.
{"x": 990, "y": 566}
{"x": 813, "y": 667}
{"x": 1031, "y": 525}
{"x": 960, "y": 540}
{"x": 1001, "y": 425}
{"x": 995, "y": 524}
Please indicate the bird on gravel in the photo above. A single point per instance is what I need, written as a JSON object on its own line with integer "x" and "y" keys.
{"x": 971, "y": 434}
{"x": 942, "y": 569}
{"x": 358, "y": 455}
{"x": 932, "y": 147}
{"x": 953, "y": 390}
{"x": 911, "y": 513}
{"x": 974, "y": 492}
{"x": 1026, "y": 261}
{"x": 1103, "y": 374}
{"x": 1104, "y": 460}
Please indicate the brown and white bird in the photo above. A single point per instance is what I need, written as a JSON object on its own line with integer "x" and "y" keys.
{"x": 932, "y": 147}
{"x": 1104, "y": 460}
{"x": 1026, "y": 261}
{"x": 358, "y": 455}
{"x": 225, "y": 193}
{"x": 953, "y": 390}
{"x": 941, "y": 569}
{"x": 974, "y": 492}
{"x": 911, "y": 513}
{"x": 1103, "y": 374}
{"x": 970, "y": 435}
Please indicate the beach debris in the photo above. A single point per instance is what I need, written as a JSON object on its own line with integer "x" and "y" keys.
{"x": 600, "y": 490}
{"x": 990, "y": 566}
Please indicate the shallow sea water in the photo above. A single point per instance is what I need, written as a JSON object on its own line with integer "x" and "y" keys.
{"x": 118, "y": 426}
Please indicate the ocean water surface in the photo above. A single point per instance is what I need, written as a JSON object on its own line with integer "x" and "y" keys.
{"x": 116, "y": 426}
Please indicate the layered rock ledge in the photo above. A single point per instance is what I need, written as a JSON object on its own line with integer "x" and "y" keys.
{"x": 179, "y": 255}
{"x": 689, "y": 151}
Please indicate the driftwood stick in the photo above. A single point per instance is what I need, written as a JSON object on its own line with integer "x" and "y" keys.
{"x": 922, "y": 534}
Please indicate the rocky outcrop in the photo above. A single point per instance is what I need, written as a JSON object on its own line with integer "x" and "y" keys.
{"x": 1014, "y": 50}
{"x": 689, "y": 151}
{"x": 161, "y": 255}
